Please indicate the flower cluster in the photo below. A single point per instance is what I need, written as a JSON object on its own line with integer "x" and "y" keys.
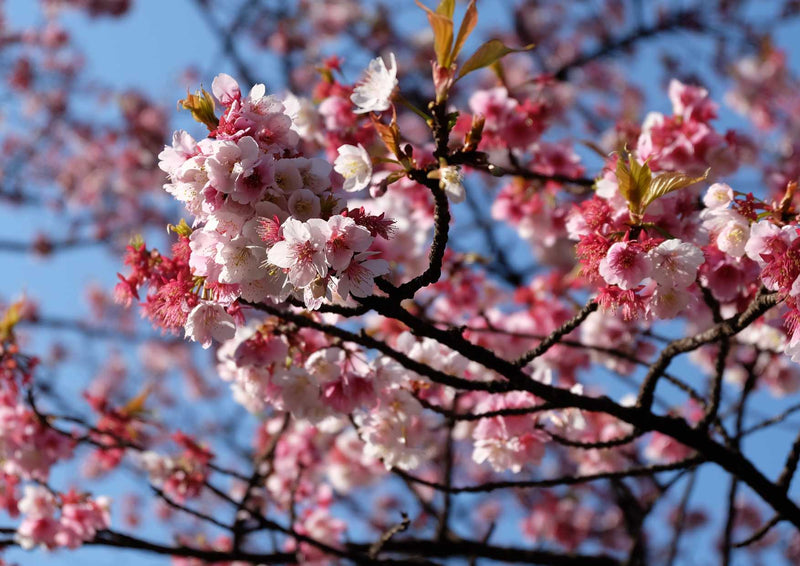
{"x": 687, "y": 141}
{"x": 28, "y": 447}
{"x": 79, "y": 520}
{"x": 268, "y": 222}
{"x": 183, "y": 476}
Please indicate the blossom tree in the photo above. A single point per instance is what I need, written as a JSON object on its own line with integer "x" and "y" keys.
{"x": 457, "y": 297}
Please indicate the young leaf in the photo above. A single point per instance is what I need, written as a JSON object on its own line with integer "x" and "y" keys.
{"x": 135, "y": 406}
{"x": 633, "y": 180}
{"x": 666, "y": 183}
{"x": 201, "y": 105}
{"x": 182, "y": 228}
{"x": 642, "y": 176}
{"x": 446, "y": 8}
{"x": 389, "y": 134}
{"x": 467, "y": 25}
{"x": 442, "y": 27}
{"x": 487, "y": 54}
{"x": 9, "y": 320}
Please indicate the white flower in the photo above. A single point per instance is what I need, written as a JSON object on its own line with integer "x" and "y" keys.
{"x": 733, "y": 237}
{"x": 303, "y": 204}
{"x": 305, "y": 118}
{"x": 240, "y": 261}
{"x": 719, "y": 195}
{"x": 667, "y": 302}
{"x": 355, "y": 166}
{"x": 373, "y": 94}
{"x": 451, "y": 182}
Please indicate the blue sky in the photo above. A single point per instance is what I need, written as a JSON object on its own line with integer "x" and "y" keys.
{"x": 148, "y": 50}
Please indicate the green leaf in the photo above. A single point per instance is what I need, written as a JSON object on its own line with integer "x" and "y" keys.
{"x": 182, "y": 228}
{"x": 442, "y": 27}
{"x": 136, "y": 242}
{"x": 667, "y": 183}
{"x": 446, "y": 8}
{"x": 487, "y": 54}
{"x": 452, "y": 118}
{"x": 467, "y": 25}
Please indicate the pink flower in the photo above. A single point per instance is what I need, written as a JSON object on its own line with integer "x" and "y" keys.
{"x": 300, "y": 394}
{"x": 226, "y": 89}
{"x": 625, "y": 265}
{"x": 207, "y": 322}
{"x": 183, "y": 147}
{"x": 767, "y": 240}
{"x": 81, "y": 518}
{"x": 346, "y": 238}
{"x": 359, "y": 276}
{"x": 304, "y": 204}
{"x": 675, "y": 263}
{"x": 667, "y": 301}
{"x": 663, "y": 448}
{"x": 302, "y": 250}
{"x": 39, "y": 527}
{"x": 231, "y": 161}
{"x": 28, "y": 448}
{"x": 508, "y": 443}
{"x": 240, "y": 261}
{"x": 318, "y": 524}
{"x": 335, "y": 112}
{"x": 691, "y": 102}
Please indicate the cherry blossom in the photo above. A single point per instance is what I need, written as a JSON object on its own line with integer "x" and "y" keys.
{"x": 396, "y": 375}
{"x": 451, "y": 182}
{"x": 355, "y": 165}
{"x": 374, "y": 93}
{"x": 208, "y": 321}
{"x": 625, "y": 265}
{"x": 302, "y": 251}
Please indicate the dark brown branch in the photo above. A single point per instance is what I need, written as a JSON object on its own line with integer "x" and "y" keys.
{"x": 441, "y": 230}
{"x": 730, "y": 327}
{"x": 556, "y": 335}
{"x": 376, "y": 548}
{"x": 367, "y": 341}
{"x": 676, "y": 21}
{"x": 759, "y": 534}
{"x": 730, "y": 521}
{"x": 478, "y": 161}
{"x": 256, "y": 477}
{"x": 716, "y": 384}
{"x": 468, "y": 548}
{"x": 598, "y": 445}
{"x": 766, "y": 423}
{"x": 789, "y": 469}
{"x": 120, "y": 540}
{"x": 680, "y": 522}
{"x": 563, "y": 480}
